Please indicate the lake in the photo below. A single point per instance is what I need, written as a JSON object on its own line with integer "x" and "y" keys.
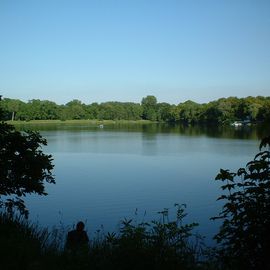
{"x": 106, "y": 174}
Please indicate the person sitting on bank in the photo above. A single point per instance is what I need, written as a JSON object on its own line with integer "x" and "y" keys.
{"x": 77, "y": 239}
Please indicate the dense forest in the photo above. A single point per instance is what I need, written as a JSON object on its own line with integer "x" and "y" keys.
{"x": 222, "y": 111}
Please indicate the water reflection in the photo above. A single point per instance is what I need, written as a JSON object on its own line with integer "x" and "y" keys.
{"x": 103, "y": 175}
{"x": 214, "y": 131}
{"x": 149, "y": 140}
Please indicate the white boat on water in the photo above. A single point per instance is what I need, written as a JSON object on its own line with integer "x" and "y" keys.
{"x": 237, "y": 124}
{"x": 246, "y": 122}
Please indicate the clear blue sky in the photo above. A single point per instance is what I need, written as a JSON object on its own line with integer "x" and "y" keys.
{"x": 123, "y": 50}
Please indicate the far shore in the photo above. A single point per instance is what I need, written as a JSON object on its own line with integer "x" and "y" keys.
{"x": 84, "y": 121}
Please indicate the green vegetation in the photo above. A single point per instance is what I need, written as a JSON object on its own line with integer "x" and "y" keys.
{"x": 244, "y": 235}
{"x": 221, "y": 111}
{"x": 24, "y": 167}
{"x": 24, "y": 245}
{"x": 160, "y": 244}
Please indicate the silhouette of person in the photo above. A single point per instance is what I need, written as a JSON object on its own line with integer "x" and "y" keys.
{"x": 77, "y": 240}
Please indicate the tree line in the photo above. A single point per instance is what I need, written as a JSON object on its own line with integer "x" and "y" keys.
{"x": 222, "y": 111}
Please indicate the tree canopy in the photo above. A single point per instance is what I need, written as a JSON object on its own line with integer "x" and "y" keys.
{"x": 222, "y": 111}
{"x": 24, "y": 168}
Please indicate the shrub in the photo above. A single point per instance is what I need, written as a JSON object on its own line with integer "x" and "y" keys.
{"x": 244, "y": 235}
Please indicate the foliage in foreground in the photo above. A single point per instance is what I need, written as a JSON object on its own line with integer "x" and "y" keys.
{"x": 24, "y": 245}
{"x": 244, "y": 235}
{"x": 160, "y": 244}
{"x": 23, "y": 167}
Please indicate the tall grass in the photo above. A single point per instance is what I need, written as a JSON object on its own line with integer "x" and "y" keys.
{"x": 159, "y": 244}
{"x": 24, "y": 245}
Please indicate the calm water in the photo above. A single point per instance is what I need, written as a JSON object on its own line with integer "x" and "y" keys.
{"x": 105, "y": 174}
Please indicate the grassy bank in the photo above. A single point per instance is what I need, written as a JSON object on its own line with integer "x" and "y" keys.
{"x": 82, "y": 122}
{"x": 160, "y": 244}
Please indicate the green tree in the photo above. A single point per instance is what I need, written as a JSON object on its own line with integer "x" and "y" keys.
{"x": 50, "y": 110}
{"x": 11, "y": 108}
{"x": 189, "y": 111}
{"x": 24, "y": 168}
{"x": 35, "y": 109}
{"x": 174, "y": 113}
{"x": 75, "y": 109}
{"x": 92, "y": 111}
{"x": 133, "y": 111}
{"x": 213, "y": 114}
{"x": 242, "y": 110}
{"x": 111, "y": 111}
{"x": 225, "y": 110}
{"x": 264, "y": 112}
{"x": 164, "y": 112}
{"x": 244, "y": 235}
{"x": 149, "y": 105}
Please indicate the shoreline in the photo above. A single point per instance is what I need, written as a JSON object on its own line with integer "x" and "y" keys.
{"x": 84, "y": 121}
